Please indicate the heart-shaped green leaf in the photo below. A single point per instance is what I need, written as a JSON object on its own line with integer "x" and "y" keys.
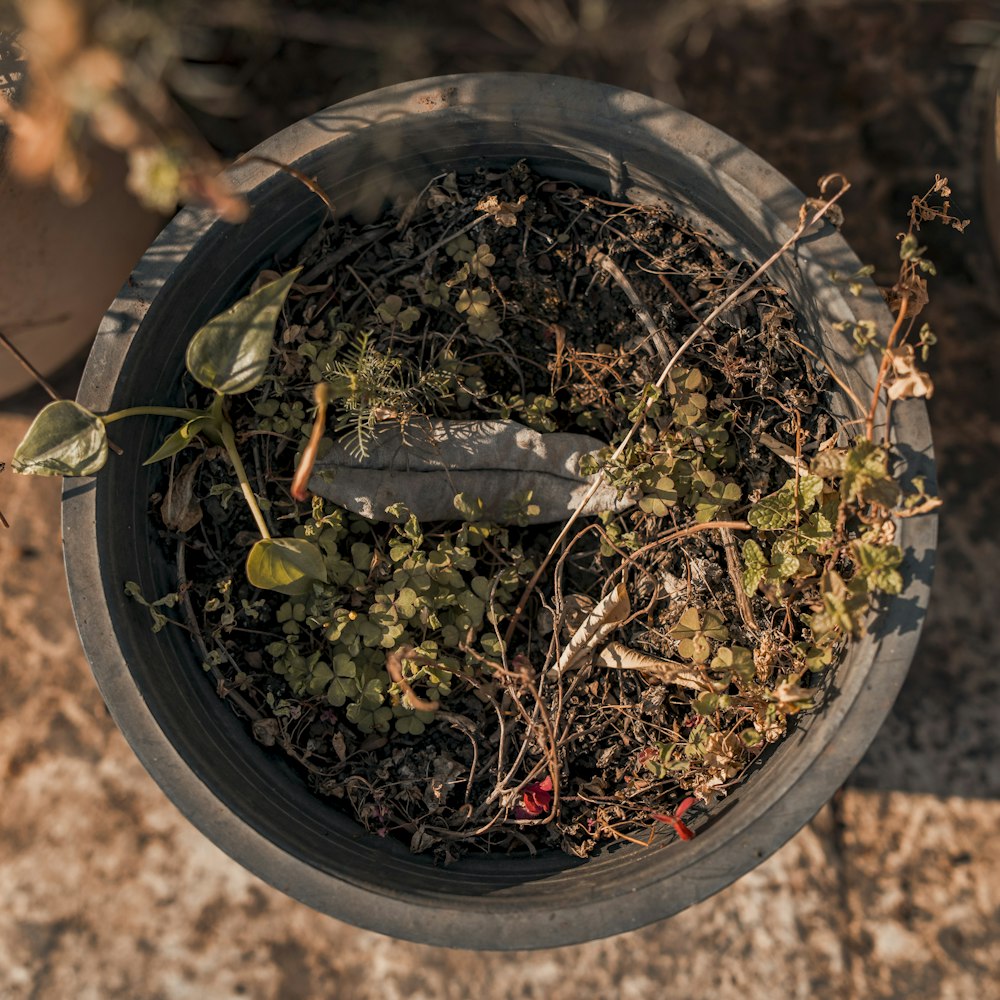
{"x": 229, "y": 353}
{"x": 287, "y": 565}
{"x": 180, "y": 439}
{"x": 65, "y": 439}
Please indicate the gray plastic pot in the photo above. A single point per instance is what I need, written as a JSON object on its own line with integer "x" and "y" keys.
{"x": 251, "y": 802}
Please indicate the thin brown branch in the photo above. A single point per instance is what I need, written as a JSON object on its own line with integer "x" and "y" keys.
{"x": 305, "y": 179}
{"x": 883, "y": 368}
{"x": 736, "y": 578}
{"x": 28, "y": 366}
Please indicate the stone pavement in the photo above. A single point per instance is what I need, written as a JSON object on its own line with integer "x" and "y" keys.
{"x": 892, "y": 891}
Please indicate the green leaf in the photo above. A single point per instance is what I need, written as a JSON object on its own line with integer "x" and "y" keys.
{"x": 180, "y": 439}
{"x": 706, "y": 703}
{"x": 340, "y": 689}
{"x": 866, "y": 475}
{"x": 754, "y": 565}
{"x": 287, "y": 565}
{"x": 736, "y": 661}
{"x": 784, "y": 561}
{"x": 844, "y": 606}
{"x": 775, "y": 511}
{"x": 471, "y": 508}
{"x": 878, "y": 564}
{"x": 816, "y": 530}
{"x": 659, "y": 498}
{"x": 229, "y": 353}
{"x": 409, "y": 724}
{"x": 407, "y": 602}
{"x": 720, "y": 495}
{"x": 65, "y": 439}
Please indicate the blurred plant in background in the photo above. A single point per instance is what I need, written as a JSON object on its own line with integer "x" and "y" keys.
{"x": 96, "y": 70}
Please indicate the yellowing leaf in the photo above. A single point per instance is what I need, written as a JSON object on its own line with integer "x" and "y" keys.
{"x": 287, "y": 565}
{"x": 65, "y": 439}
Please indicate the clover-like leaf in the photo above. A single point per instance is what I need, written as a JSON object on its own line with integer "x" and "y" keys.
{"x": 287, "y": 565}
{"x": 229, "y": 353}
{"x": 482, "y": 260}
{"x": 340, "y": 689}
{"x": 391, "y": 310}
{"x": 658, "y": 500}
{"x": 736, "y": 661}
{"x": 695, "y": 632}
{"x": 476, "y": 302}
{"x": 410, "y": 724}
{"x": 65, "y": 439}
{"x": 471, "y": 508}
{"x": 706, "y": 704}
{"x": 406, "y": 602}
{"x": 180, "y": 439}
{"x": 720, "y": 496}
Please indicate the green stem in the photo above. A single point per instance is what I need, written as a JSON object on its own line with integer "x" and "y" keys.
{"x": 152, "y": 411}
{"x": 229, "y": 440}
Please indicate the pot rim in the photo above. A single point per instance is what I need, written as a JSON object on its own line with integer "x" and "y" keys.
{"x": 503, "y": 917}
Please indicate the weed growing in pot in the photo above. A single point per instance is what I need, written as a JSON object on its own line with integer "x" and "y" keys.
{"x": 228, "y": 355}
{"x": 559, "y": 587}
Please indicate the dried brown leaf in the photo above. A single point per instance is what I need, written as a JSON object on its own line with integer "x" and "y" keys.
{"x": 601, "y": 622}
{"x": 620, "y": 657}
{"x": 179, "y": 510}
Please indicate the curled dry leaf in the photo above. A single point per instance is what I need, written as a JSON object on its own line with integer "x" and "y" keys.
{"x": 179, "y": 510}
{"x": 910, "y": 380}
{"x": 394, "y": 665}
{"x": 575, "y": 609}
{"x": 617, "y": 656}
{"x": 609, "y": 614}
{"x": 784, "y": 452}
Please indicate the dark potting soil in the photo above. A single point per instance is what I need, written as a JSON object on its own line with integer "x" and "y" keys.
{"x": 508, "y": 296}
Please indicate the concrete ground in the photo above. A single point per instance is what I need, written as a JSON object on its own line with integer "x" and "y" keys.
{"x": 892, "y": 891}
